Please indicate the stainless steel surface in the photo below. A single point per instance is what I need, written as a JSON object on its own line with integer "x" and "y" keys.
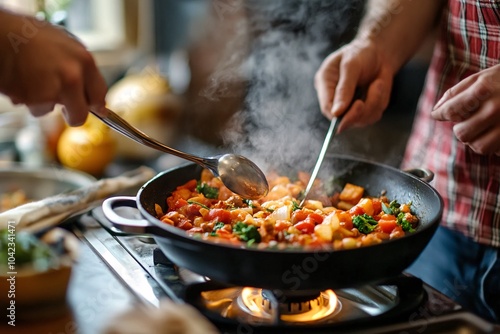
{"x": 238, "y": 173}
{"x": 121, "y": 263}
{"x": 326, "y": 143}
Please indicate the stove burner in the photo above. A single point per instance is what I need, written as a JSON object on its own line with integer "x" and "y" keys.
{"x": 292, "y": 302}
{"x": 316, "y": 309}
{"x": 289, "y": 307}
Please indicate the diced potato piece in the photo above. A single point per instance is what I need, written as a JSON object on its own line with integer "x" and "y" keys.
{"x": 198, "y": 221}
{"x": 346, "y": 206}
{"x": 346, "y": 233}
{"x": 333, "y": 220}
{"x": 313, "y": 205}
{"x": 370, "y": 239}
{"x": 249, "y": 220}
{"x": 367, "y": 205}
{"x": 324, "y": 232}
{"x": 277, "y": 192}
{"x": 206, "y": 175}
{"x": 349, "y": 243}
{"x": 282, "y": 213}
{"x": 337, "y": 244}
{"x": 351, "y": 193}
{"x": 183, "y": 193}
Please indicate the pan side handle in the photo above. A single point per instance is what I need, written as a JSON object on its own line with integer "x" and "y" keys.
{"x": 422, "y": 173}
{"x": 138, "y": 226}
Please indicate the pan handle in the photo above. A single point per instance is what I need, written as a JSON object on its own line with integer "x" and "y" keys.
{"x": 422, "y": 173}
{"x": 136, "y": 226}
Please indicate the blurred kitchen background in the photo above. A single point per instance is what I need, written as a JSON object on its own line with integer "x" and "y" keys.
{"x": 208, "y": 76}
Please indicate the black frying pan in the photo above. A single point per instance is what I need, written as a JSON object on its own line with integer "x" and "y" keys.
{"x": 290, "y": 270}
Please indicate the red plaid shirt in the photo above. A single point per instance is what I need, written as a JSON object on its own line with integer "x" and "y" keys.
{"x": 468, "y": 182}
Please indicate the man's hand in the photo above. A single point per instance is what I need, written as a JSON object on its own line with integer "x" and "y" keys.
{"x": 474, "y": 106}
{"x": 356, "y": 65}
{"x": 41, "y": 65}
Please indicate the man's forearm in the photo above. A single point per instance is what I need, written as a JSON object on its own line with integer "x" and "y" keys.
{"x": 398, "y": 27}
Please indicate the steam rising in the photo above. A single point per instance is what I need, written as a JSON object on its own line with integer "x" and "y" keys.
{"x": 280, "y": 124}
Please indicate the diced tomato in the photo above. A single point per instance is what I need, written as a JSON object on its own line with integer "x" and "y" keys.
{"x": 298, "y": 216}
{"x": 223, "y": 233}
{"x": 183, "y": 193}
{"x": 397, "y": 232}
{"x": 185, "y": 224}
{"x": 356, "y": 211}
{"x": 281, "y": 225}
{"x": 195, "y": 230}
{"x": 305, "y": 227}
{"x": 191, "y": 185}
{"x": 387, "y": 217}
{"x": 345, "y": 219}
{"x": 192, "y": 211}
{"x": 315, "y": 217}
{"x": 387, "y": 226}
{"x": 347, "y": 224}
{"x": 219, "y": 215}
{"x": 377, "y": 206}
{"x": 179, "y": 203}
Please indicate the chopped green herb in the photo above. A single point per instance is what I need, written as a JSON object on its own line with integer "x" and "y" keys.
{"x": 394, "y": 208}
{"x": 218, "y": 226}
{"x": 386, "y": 209}
{"x": 405, "y": 225}
{"x": 364, "y": 223}
{"x": 246, "y": 232}
{"x": 207, "y": 191}
{"x": 295, "y": 206}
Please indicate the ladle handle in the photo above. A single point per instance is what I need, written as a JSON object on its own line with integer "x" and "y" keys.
{"x": 117, "y": 123}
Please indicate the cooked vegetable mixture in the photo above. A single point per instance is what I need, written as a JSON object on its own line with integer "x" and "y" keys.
{"x": 206, "y": 209}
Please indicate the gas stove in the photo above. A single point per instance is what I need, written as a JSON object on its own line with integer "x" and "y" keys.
{"x": 400, "y": 305}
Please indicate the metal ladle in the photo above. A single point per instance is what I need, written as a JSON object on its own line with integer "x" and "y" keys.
{"x": 239, "y": 174}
